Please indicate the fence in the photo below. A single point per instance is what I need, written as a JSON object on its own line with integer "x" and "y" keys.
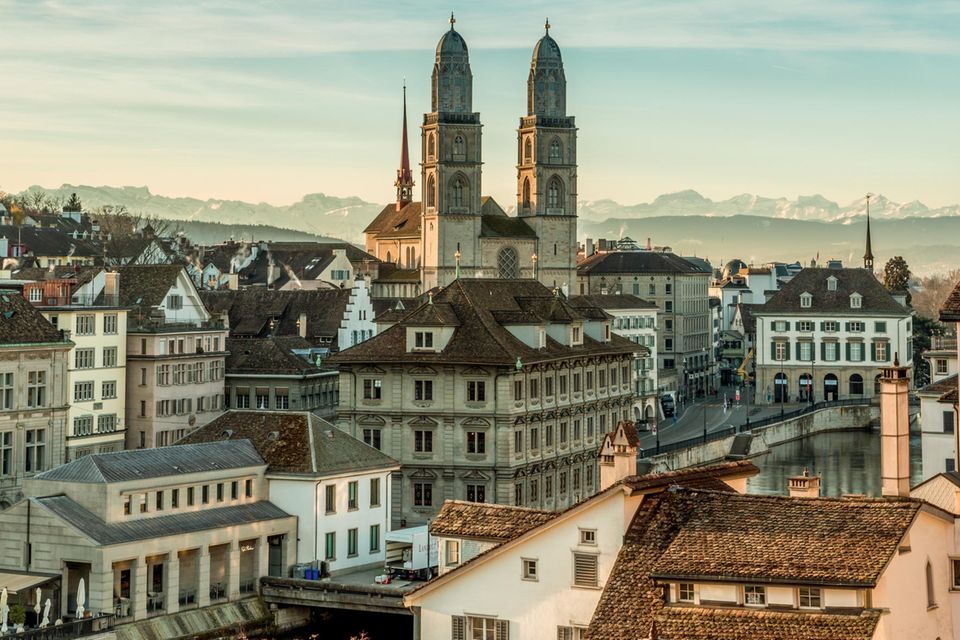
{"x": 748, "y": 425}
{"x": 65, "y": 631}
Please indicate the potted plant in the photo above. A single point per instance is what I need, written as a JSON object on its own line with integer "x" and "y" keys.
{"x": 18, "y": 616}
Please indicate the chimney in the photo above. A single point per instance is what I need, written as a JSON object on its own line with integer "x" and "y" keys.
{"x": 618, "y": 454}
{"x": 233, "y": 281}
{"x": 111, "y": 283}
{"x": 804, "y": 486}
{"x": 302, "y": 325}
{"x": 588, "y": 248}
{"x": 894, "y": 430}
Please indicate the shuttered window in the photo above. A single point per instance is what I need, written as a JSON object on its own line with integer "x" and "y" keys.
{"x": 477, "y": 628}
{"x": 584, "y": 570}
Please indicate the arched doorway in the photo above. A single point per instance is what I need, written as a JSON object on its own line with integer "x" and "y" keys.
{"x": 856, "y": 385}
{"x": 831, "y": 387}
{"x": 781, "y": 388}
{"x": 806, "y": 387}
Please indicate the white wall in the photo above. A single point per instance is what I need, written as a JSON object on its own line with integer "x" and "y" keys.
{"x": 357, "y": 324}
{"x": 937, "y": 446}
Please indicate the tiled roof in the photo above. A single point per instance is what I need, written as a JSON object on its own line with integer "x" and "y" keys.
{"x": 494, "y": 226}
{"x": 612, "y": 301}
{"x": 732, "y": 537}
{"x": 391, "y": 223}
{"x": 294, "y": 442}
{"x": 20, "y": 323}
{"x": 461, "y": 519}
{"x": 140, "y": 464}
{"x": 691, "y": 477}
{"x": 107, "y": 533}
{"x": 940, "y": 387}
{"x": 701, "y": 623}
{"x": 637, "y": 262}
{"x": 145, "y": 286}
{"x": 950, "y": 311}
{"x": 812, "y": 280}
{"x": 46, "y": 241}
{"x": 482, "y": 307}
{"x": 389, "y": 272}
{"x": 271, "y": 355}
{"x": 951, "y": 397}
{"x": 746, "y": 315}
{"x": 251, "y": 310}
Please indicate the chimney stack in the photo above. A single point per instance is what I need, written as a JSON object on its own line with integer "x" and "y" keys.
{"x": 894, "y": 430}
{"x": 233, "y": 281}
{"x": 804, "y": 486}
{"x": 618, "y": 454}
{"x": 111, "y": 282}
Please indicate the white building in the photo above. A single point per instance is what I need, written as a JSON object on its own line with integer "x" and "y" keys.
{"x": 636, "y": 320}
{"x": 938, "y": 416}
{"x": 828, "y": 332}
{"x": 337, "y": 486}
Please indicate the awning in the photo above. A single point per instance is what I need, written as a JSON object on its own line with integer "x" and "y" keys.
{"x": 15, "y": 582}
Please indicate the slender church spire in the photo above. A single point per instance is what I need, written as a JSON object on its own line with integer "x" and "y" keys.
{"x": 868, "y": 253}
{"x": 404, "y": 181}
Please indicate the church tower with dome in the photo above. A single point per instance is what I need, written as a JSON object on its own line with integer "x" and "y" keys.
{"x": 451, "y": 166}
{"x": 547, "y": 166}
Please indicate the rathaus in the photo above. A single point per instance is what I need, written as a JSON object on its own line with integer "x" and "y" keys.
{"x": 454, "y": 231}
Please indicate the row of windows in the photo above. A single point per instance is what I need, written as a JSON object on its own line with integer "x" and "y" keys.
{"x": 563, "y": 432}
{"x": 185, "y": 373}
{"x": 353, "y": 495}
{"x": 184, "y": 406}
{"x": 830, "y": 351}
{"x": 181, "y": 345}
{"x": 353, "y": 542}
{"x": 86, "y": 324}
{"x": 548, "y": 387}
{"x": 83, "y": 425}
{"x": 752, "y": 595}
{"x": 828, "y": 326}
{"x": 85, "y": 391}
{"x": 36, "y": 390}
{"x": 34, "y": 450}
{"x": 158, "y": 500}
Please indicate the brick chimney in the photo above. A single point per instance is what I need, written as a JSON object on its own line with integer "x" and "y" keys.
{"x": 894, "y": 430}
{"x": 804, "y": 486}
{"x": 618, "y": 454}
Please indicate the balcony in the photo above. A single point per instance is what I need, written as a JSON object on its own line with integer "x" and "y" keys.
{"x": 77, "y": 301}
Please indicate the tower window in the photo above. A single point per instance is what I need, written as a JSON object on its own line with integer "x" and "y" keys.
{"x": 431, "y": 146}
{"x": 526, "y": 193}
{"x": 508, "y": 264}
{"x": 555, "y": 194}
{"x": 527, "y": 150}
{"x": 556, "y": 151}
{"x": 459, "y": 192}
{"x": 431, "y": 194}
{"x": 459, "y": 148}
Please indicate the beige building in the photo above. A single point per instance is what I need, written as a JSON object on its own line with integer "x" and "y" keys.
{"x": 454, "y": 230}
{"x": 175, "y": 356}
{"x": 33, "y": 394}
{"x": 151, "y": 532}
{"x": 492, "y": 391}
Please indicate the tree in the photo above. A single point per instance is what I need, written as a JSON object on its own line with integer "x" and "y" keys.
{"x": 124, "y": 231}
{"x": 73, "y": 204}
{"x": 896, "y": 276}
{"x": 932, "y": 291}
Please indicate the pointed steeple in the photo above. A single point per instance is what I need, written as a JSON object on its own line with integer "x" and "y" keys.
{"x": 404, "y": 181}
{"x": 868, "y": 253}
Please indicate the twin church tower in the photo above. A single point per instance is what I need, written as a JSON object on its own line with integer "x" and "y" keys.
{"x": 454, "y": 230}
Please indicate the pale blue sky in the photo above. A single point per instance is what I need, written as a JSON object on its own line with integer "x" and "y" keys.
{"x": 269, "y": 101}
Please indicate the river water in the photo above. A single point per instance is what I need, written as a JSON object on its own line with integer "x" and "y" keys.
{"x": 849, "y": 462}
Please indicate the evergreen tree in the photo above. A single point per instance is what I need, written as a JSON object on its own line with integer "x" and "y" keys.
{"x": 73, "y": 204}
{"x": 896, "y": 276}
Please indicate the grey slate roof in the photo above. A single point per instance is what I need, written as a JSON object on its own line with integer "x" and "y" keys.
{"x": 612, "y": 301}
{"x": 107, "y": 533}
{"x": 139, "y": 464}
{"x": 295, "y": 442}
{"x": 21, "y": 323}
{"x": 813, "y": 280}
{"x": 637, "y": 262}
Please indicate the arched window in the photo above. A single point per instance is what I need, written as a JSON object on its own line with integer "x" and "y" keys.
{"x": 526, "y": 193}
{"x": 389, "y": 257}
{"x": 856, "y": 385}
{"x": 508, "y": 264}
{"x": 931, "y": 597}
{"x": 556, "y": 151}
{"x": 431, "y": 191}
{"x": 460, "y": 192}
{"x": 555, "y": 194}
{"x": 431, "y": 146}
{"x": 527, "y": 150}
{"x": 459, "y": 147}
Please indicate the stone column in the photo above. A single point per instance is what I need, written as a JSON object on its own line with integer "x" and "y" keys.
{"x": 263, "y": 557}
{"x": 138, "y": 593}
{"x": 171, "y": 571}
{"x": 203, "y": 576}
{"x": 232, "y": 561}
{"x": 100, "y": 592}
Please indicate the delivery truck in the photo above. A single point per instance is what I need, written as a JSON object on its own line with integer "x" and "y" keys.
{"x": 411, "y": 554}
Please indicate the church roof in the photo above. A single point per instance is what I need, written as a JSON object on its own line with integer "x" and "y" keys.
{"x": 391, "y": 223}
{"x": 451, "y": 43}
{"x": 546, "y": 50}
{"x": 494, "y": 226}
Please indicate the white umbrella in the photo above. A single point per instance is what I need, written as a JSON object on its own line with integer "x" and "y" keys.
{"x": 46, "y": 614}
{"x": 81, "y": 598}
{"x": 4, "y": 610}
{"x": 36, "y": 607}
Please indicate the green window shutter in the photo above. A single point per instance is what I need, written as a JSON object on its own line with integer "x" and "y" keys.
{"x": 848, "y": 351}
{"x": 773, "y": 350}
{"x": 848, "y": 326}
{"x": 823, "y": 350}
{"x": 873, "y": 351}
{"x": 459, "y": 628}
{"x": 796, "y": 325}
{"x": 787, "y": 356}
{"x": 823, "y": 325}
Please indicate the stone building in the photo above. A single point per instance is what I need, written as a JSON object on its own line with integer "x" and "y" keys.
{"x": 175, "y": 355}
{"x": 151, "y": 532}
{"x": 492, "y": 391}
{"x": 679, "y": 289}
{"x": 33, "y": 394}
{"x": 453, "y": 230}
{"x": 827, "y": 333}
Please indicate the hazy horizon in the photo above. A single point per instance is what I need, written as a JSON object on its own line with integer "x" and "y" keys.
{"x": 238, "y": 101}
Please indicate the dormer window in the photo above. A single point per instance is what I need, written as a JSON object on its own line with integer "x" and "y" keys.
{"x": 423, "y": 340}
{"x": 542, "y": 339}
{"x": 856, "y": 301}
{"x": 806, "y": 300}
{"x": 831, "y": 283}
{"x": 576, "y": 335}
{"x": 606, "y": 332}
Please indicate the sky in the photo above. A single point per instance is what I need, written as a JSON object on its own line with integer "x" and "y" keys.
{"x": 268, "y": 101}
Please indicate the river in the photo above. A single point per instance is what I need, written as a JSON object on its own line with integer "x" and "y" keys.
{"x": 849, "y": 462}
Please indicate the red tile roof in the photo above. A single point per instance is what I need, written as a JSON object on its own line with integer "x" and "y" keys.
{"x": 487, "y": 521}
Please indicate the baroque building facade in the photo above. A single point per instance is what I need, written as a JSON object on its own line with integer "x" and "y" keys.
{"x": 453, "y": 230}
{"x": 494, "y": 391}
